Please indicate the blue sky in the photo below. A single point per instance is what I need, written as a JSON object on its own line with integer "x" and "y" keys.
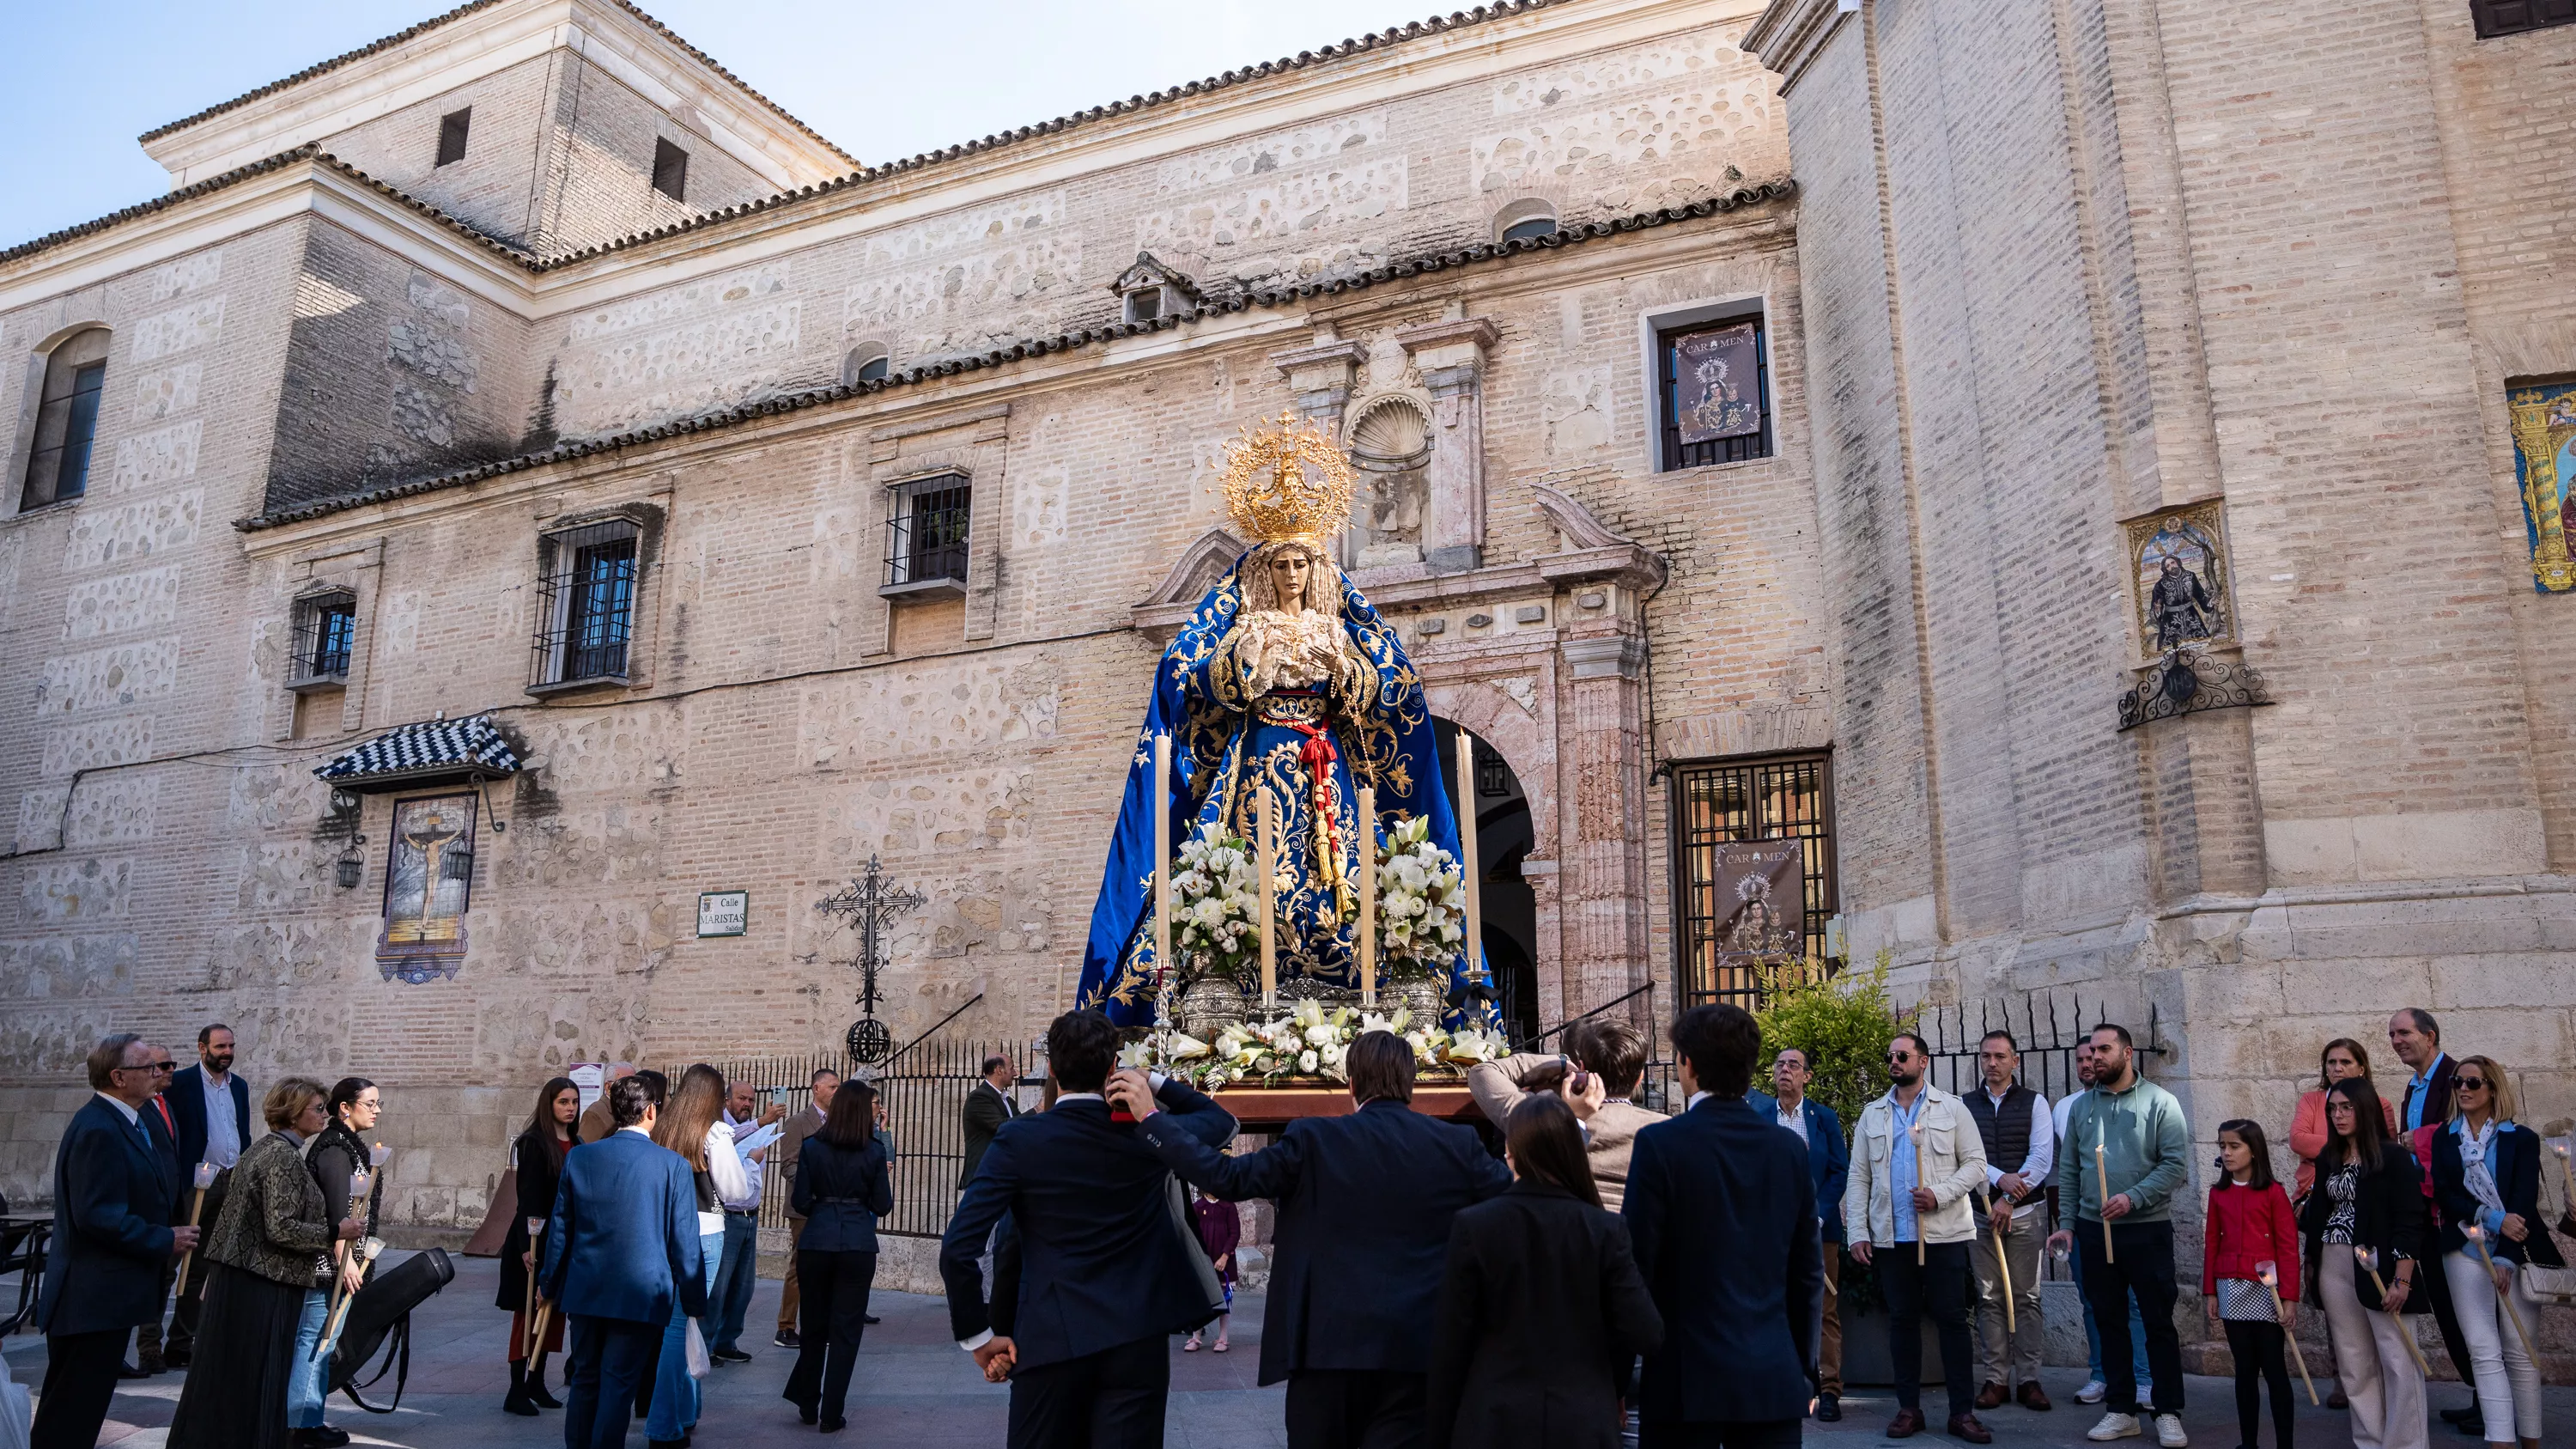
{"x": 78, "y": 82}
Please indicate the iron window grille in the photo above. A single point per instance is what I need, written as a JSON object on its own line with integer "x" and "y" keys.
{"x": 66, "y": 421}
{"x": 927, "y": 522}
{"x": 326, "y": 626}
{"x": 1790, "y": 797}
{"x": 1674, "y": 452}
{"x": 585, "y": 605}
{"x": 670, "y": 170}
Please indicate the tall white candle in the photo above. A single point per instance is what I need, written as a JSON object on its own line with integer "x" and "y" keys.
{"x": 1266, "y": 855}
{"x": 1368, "y": 894}
{"x": 1162, "y": 798}
{"x": 1467, "y": 870}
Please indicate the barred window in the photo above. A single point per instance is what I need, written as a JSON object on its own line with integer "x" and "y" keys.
{"x": 1713, "y": 392}
{"x": 926, "y": 534}
{"x": 586, "y": 605}
{"x": 1720, "y": 802}
{"x": 66, "y": 420}
{"x": 326, "y": 626}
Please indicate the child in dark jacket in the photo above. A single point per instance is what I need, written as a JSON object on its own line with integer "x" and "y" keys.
{"x": 2249, "y": 1276}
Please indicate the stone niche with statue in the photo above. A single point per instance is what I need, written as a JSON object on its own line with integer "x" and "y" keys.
{"x": 1287, "y": 871}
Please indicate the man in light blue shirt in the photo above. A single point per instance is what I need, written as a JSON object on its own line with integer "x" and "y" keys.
{"x": 2417, "y": 1040}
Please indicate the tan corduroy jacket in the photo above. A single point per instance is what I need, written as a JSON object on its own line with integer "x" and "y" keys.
{"x": 1496, "y": 1086}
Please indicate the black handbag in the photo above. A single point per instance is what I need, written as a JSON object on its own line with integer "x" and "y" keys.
{"x": 380, "y": 1318}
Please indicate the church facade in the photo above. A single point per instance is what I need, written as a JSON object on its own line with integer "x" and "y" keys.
{"x": 1992, "y": 472}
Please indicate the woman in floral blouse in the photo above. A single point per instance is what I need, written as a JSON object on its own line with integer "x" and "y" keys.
{"x": 267, "y": 1256}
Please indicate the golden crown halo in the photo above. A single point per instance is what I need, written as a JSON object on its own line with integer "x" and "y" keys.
{"x": 1285, "y": 479}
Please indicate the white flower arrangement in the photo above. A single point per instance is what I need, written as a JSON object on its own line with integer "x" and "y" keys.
{"x": 1308, "y": 1042}
{"x": 1216, "y": 901}
{"x": 1421, "y": 901}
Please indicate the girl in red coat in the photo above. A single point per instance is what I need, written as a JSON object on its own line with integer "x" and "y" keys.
{"x": 2250, "y": 1229}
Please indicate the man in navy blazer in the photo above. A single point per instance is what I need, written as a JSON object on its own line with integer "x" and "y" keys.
{"x": 1829, "y": 1161}
{"x": 113, "y": 1193}
{"x": 623, "y": 1240}
{"x": 1362, "y": 1241}
{"x": 1105, "y": 1273}
{"x": 203, "y": 1137}
{"x": 1721, "y": 1208}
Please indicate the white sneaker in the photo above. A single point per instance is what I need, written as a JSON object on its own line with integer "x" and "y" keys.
{"x": 2169, "y": 1432}
{"x": 2114, "y": 1425}
{"x": 2092, "y": 1392}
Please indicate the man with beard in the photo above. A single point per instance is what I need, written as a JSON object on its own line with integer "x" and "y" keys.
{"x": 2127, "y": 1134}
{"x": 1915, "y": 1160}
{"x": 211, "y": 1107}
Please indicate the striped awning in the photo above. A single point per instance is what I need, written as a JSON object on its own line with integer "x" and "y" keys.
{"x": 434, "y": 749}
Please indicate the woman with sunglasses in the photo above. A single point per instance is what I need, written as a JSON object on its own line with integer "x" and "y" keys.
{"x": 2486, "y": 1175}
{"x": 2369, "y": 1200}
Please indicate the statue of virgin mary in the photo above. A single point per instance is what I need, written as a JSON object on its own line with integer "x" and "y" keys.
{"x": 1283, "y": 679}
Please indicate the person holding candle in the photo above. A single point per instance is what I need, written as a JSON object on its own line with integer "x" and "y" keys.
{"x": 344, "y": 1162}
{"x": 536, "y": 1160}
{"x": 2095, "y": 1388}
{"x": 1828, "y": 1169}
{"x": 210, "y": 1107}
{"x": 2013, "y": 1121}
{"x": 2486, "y": 1181}
{"x": 2127, "y": 1145}
{"x": 1916, "y": 1158}
{"x": 2363, "y": 1226}
{"x": 269, "y": 1256}
{"x": 2251, "y": 1227}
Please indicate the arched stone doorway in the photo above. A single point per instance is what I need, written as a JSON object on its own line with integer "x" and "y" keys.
{"x": 1505, "y": 835}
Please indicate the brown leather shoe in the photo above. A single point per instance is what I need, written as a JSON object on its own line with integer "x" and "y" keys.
{"x": 1993, "y": 1396}
{"x": 1906, "y": 1424}
{"x": 1965, "y": 1426}
{"x": 2034, "y": 1397}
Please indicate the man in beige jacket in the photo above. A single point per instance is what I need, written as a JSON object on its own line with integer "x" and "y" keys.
{"x": 1613, "y": 1051}
{"x": 1906, "y": 1213}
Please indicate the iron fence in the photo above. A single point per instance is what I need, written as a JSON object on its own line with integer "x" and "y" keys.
{"x": 924, "y": 1087}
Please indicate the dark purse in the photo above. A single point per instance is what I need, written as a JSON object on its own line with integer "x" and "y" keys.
{"x": 380, "y": 1312}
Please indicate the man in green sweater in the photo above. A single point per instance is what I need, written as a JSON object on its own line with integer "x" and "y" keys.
{"x": 2122, "y": 1162}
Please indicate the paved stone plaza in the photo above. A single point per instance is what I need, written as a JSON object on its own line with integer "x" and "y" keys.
{"x": 915, "y": 1389}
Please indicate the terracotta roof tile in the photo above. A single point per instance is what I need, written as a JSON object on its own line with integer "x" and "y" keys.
{"x": 1062, "y": 342}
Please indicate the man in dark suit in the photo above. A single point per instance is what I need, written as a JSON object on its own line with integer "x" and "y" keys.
{"x": 2417, "y": 1040}
{"x": 1829, "y": 1163}
{"x": 1721, "y": 1206}
{"x": 113, "y": 1191}
{"x": 207, "y": 1132}
{"x": 1365, "y": 1203}
{"x": 988, "y": 1106}
{"x": 623, "y": 1240}
{"x": 1106, "y": 1271}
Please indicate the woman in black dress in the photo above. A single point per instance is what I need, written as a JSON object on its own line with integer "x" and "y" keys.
{"x": 537, "y": 1158}
{"x": 1542, "y": 1307}
{"x": 271, "y": 1247}
{"x": 842, "y": 1187}
{"x": 335, "y": 1160}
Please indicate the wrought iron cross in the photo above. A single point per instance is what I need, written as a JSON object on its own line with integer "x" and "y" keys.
{"x": 870, "y": 904}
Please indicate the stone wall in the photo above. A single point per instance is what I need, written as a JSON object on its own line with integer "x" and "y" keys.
{"x": 2039, "y": 303}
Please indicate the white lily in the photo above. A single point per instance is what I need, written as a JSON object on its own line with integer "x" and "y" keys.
{"x": 1182, "y": 1047}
